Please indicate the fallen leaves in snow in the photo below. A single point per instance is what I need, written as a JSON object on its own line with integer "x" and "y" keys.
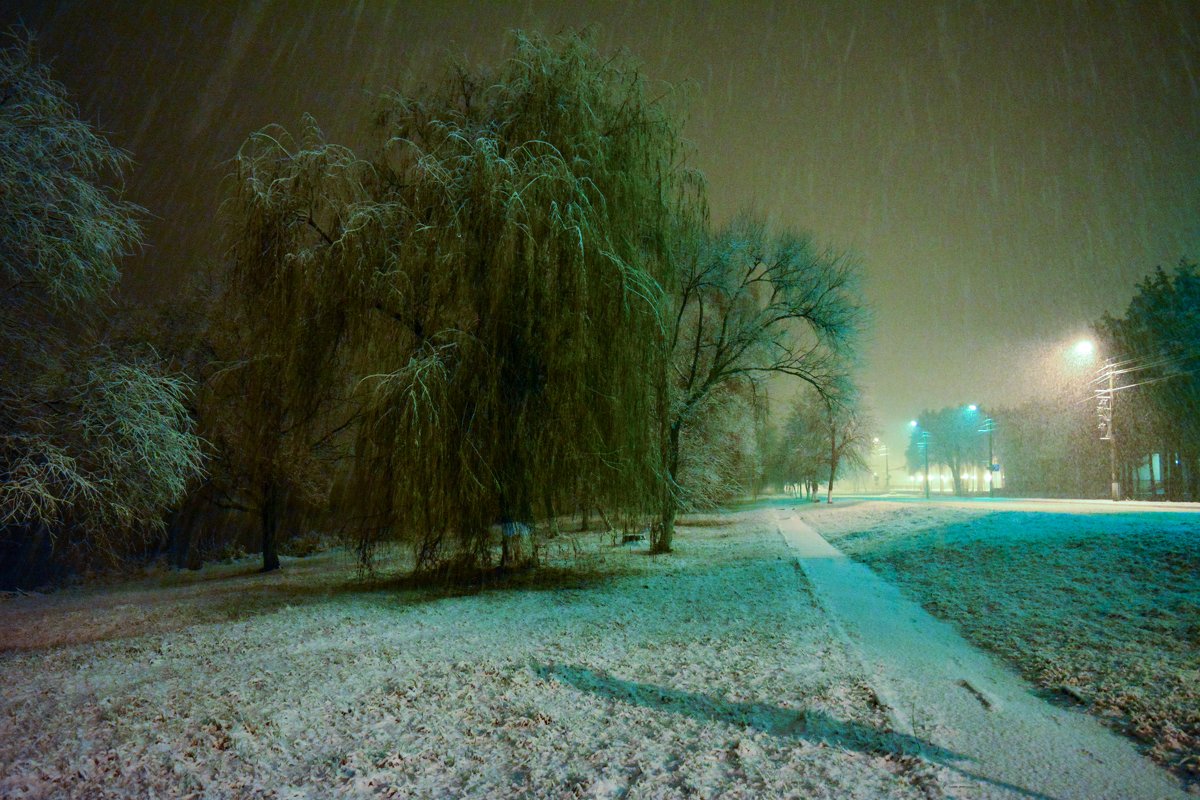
{"x": 709, "y": 672}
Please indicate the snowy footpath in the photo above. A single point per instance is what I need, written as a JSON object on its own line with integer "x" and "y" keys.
{"x": 985, "y": 724}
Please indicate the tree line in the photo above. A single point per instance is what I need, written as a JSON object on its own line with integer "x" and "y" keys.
{"x": 1059, "y": 446}
{"x": 510, "y": 307}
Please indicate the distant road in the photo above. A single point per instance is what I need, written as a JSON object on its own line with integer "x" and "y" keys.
{"x": 1051, "y": 505}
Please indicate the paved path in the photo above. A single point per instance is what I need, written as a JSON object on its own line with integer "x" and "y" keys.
{"x": 957, "y": 698}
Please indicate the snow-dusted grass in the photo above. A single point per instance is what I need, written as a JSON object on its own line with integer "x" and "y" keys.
{"x": 1104, "y": 608}
{"x": 709, "y": 672}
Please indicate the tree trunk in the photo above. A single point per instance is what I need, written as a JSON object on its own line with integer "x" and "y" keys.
{"x": 1169, "y": 474}
{"x": 181, "y": 545}
{"x": 660, "y": 540}
{"x": 833, "y": 465}
{"x": 269, "y": 515}
{"x": 833, "y": 453}
{"x": 1191, "y": 475}
{"x": 27, "y": 556}
{"x": 516, "y": 546}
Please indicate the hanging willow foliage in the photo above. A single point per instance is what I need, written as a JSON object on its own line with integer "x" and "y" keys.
{"x": 278, "y": 400}
{"x": 517, "y": 267}
{"x": 494, "y": 275}
{"x": 95, "y": 441}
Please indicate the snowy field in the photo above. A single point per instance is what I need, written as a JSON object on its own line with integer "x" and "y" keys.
{"x": 1101, "y": 609}
{"x": 707, "y": 673}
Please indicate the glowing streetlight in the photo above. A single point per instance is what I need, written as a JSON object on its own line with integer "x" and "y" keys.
{"x": 1084, "y": 348}
{"x": 881, "y": 449}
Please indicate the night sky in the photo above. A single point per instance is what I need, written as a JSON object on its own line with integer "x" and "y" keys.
{"x": 1005, "y": 171}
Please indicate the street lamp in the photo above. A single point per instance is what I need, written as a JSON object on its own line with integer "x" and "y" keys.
{"x": 973, "y": 408}
{"x": 882, "y": 450}
{"x": 989, "y": 427}
{"x": 924, "y": 447}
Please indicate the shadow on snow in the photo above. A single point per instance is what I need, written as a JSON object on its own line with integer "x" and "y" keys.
{"x": 806, "y": 724}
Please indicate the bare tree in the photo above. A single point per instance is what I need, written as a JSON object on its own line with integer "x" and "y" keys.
{"x": 824, "y": 432}
{"x": 849, "y": 432}
{"x": 800, "y": 449}
{"x": 750, "y": 303}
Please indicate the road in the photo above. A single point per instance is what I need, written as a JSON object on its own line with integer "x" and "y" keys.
{"x": 1049, "y": 505}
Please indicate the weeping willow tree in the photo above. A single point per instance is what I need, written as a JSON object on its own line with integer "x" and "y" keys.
{"x": 493, "y": 276}
{"x": 518, "y": 269}
{"x": 278, "y": 404}
{"x": 94, "y": 443}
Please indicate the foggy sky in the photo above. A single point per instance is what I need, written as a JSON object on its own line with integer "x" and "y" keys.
{"x": 1005, "y": 172}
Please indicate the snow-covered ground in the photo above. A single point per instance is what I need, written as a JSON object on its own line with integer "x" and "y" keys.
{"x": 711, "y": 672}
{"x": 1097, "y": 603}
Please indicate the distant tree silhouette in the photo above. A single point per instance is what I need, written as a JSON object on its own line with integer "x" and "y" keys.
{"x": 849, "y": 431}
{"x": 1050, "y": 447}
{"x": 954, "y": 441}
{"x": 824, "y": 433}
{"x": 802, "y": 446}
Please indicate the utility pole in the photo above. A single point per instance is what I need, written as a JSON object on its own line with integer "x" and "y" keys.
{"x": 887, "y": 474}
{"x": 989, "y": 426}
{"x": 881, "y": 449}
{"x": 991, "y": 460}
{"x": 1105, "y": 401}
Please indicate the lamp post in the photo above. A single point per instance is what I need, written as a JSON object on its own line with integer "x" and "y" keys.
{"x": 882, "y": 450}
{"x": 989, "y": 426}
{"x": 925, "y": 448}
{"x": 924, "y": 445}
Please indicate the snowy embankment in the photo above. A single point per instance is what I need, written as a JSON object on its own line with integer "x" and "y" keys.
{"x": 1103, "y": 608}
{"x": 709, "y": 672}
